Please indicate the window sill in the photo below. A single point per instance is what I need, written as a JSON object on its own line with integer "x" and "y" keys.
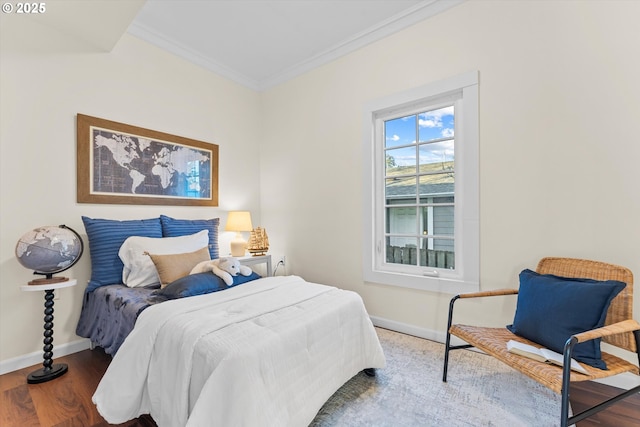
{"x": 442, "y": 285}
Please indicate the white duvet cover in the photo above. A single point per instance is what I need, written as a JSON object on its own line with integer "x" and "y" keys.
{"x": 267, "y": 353}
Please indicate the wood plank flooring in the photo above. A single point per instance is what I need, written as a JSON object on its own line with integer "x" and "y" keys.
{"x": 66, "y": 401}
{"x": 587, "y": 394}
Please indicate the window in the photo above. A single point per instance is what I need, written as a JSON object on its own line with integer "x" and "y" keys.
{"x": 421, "y": 187}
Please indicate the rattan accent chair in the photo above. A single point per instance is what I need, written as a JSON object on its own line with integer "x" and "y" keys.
{"x": 620, "y": 330}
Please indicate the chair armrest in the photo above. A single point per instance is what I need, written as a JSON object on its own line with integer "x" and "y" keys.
{"x": 613, "y": 329}
{"x": 496, "y": 292}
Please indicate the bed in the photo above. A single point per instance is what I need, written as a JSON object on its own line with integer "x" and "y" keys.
{"x": 109, "y": 314}
{"x": 264, "y": 351}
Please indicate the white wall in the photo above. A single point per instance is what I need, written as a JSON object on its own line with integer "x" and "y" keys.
{"x": 559, "y": 105}
{"x": 135, "y": 84}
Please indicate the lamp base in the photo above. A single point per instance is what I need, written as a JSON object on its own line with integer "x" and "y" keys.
{"x": 238, "y": 247}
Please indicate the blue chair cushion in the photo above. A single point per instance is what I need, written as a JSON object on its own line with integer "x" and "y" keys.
{"x": 550, "y": 309}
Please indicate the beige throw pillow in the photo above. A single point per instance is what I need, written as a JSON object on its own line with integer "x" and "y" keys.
{"x": 173, "y": 267}
{"x": 139, "y": 269}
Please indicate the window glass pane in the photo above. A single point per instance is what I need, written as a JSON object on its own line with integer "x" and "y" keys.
{"x": 437, "y": 253}
{"x": 401, "y": 220}
{"x": 443, "y": 224}
{"x": 437, "y": 154}
{"x": 435, "y": 200}
{"x": 400, "y": 161}
{"x": 401, "y": 250}
{"x": 443, "y": 199}
{"x": 437, "y": 220}
{"x": 434, "y": 187}
{"x": 436, "y": 124}
{"x": 400, "y": 190}
{"x": 400, "y": 131}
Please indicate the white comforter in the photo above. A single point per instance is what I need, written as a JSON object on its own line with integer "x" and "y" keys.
{"x": 269, "y": 352}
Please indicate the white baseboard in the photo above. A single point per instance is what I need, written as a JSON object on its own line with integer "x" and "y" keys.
{"x": 408, "y": 329}
{"x": 624, "y": 381}
{"x": 35, "y": 358}
{"x": 416, "y": 331}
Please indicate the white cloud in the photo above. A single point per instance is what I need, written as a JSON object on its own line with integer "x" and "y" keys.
{"x": 433, "y": 119}
{"x": 405, "y": 160}
{"x": 438, "y": 152}
{"x": 430, "y": 123}
{"x": 447, "y": 133}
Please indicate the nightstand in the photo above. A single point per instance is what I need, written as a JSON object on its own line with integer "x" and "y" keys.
{"x": 49, "y": 371}
{"x": 259, "y": 259}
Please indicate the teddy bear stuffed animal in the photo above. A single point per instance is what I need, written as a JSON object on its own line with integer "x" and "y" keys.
{"x": 225, "y": 268}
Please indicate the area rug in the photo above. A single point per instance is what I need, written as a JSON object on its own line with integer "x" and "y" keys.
{"x": 480, "y": 391}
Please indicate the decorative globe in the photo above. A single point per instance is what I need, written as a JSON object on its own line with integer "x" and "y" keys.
{"x": 49, "y": 250}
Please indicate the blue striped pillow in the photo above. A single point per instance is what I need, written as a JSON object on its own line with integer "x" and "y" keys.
{"x": 105, "y": 238}
{"x": 172, "y": 227}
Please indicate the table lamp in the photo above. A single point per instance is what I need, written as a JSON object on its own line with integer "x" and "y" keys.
{"x": 238, "y": 221}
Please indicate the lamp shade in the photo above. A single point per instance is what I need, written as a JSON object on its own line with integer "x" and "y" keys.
{"x": 239, "y": 221}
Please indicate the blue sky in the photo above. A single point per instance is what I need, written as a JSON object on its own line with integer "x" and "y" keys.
{"x": 432, "y": 125}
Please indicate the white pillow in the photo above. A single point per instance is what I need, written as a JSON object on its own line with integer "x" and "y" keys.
{"x": 139, "y": 269}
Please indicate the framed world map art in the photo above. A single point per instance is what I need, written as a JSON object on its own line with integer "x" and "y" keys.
{"x": 125, "y": 164}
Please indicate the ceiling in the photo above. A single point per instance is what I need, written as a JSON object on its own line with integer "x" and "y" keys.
{"x": 261, "y": 43}
{"x": 257, "y": 43}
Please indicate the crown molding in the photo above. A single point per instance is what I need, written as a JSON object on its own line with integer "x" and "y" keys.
{"x": 398, "y": 22}
{"x": 170, "y": 45}
{"x": 393, "y": 24}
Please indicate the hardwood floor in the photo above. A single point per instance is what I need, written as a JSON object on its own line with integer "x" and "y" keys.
{"x": 66, "y": 401}
{"x": 587, "y": 394}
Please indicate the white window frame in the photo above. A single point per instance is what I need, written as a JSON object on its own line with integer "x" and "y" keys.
{"x": 466, "y": 275}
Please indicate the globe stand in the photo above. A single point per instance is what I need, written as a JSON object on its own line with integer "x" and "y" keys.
{"x": 47, "y": 281}
{"x": 49, "y": 371}
{"x": 49, "y": 250}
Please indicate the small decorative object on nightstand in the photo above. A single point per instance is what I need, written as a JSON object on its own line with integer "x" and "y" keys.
{"x": 258, "y": 242}
{"x": 49, "y": 250}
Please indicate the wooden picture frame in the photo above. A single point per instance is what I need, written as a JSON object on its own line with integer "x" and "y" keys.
{"x": 124, "y": 164}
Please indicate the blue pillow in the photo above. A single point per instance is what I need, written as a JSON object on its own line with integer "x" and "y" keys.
{"x": 105, "y": 238}
{"x": 172, "y": 227}
{"x": 550, "y": 309}
{"x": 199, "y": 284}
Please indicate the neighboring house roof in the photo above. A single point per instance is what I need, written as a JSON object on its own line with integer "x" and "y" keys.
{"x": 425, "y": 190}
